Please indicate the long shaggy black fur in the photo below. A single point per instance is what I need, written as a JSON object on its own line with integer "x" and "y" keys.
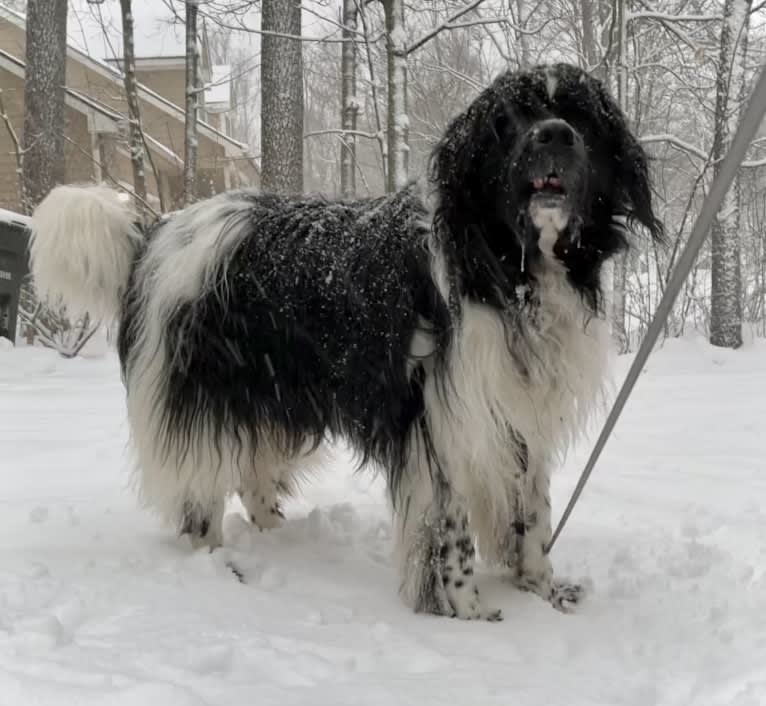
{"x": 311, "y": 334}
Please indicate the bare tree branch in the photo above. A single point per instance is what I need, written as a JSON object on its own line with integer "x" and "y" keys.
{"x": 18, "y": 151}
{"x": 443, "y": 26}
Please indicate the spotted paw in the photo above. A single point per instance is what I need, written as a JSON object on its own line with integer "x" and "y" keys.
{"x": 493, "y": 616}
{"x": 268, "y": 519}
{"x": 466, "y": 602}
{"x": 478, "y": 613}
{"x": 566, "y": 596}
{"x": 264, "y": 511}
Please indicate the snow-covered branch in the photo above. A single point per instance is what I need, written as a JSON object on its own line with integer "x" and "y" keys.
{"x": 339, "y": 131}
{"x": 676, "y": 142}
{"x": 329, "y": 38}
{"x": 696, "y": 151}
{"x": 667, "y": 17}
{"x": 447, "y": 24}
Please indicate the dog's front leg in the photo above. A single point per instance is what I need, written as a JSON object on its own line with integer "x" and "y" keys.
{"x": 437, "y": 554}
{"x": 532, "y": 530}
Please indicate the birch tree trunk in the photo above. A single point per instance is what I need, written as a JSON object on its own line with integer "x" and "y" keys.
{"x": 398, "y": 120}
{"x": 349, "y": 101}
{"x": 134, "y": 112}
{"x": 281, "y": 97}
{"x": 44, "y": 107}
{"x": 192, "y": 101}
{"x": 588, "y": 29}
{"x": 522, "y": 38}
{"x": 726, "y": 292}
{"x": 620, "y": 264}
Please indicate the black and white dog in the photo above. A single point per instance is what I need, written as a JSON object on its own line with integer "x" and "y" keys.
{"x": 452, "y": 333}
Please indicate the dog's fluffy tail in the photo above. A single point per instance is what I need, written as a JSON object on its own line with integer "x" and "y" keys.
{"x": 84, "y": 242}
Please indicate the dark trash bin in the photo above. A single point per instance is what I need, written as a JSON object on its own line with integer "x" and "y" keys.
{"x": 14, "y": 266}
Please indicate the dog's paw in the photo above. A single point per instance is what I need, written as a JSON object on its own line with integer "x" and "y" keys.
{"x": 468, "y": 611}
{"x": 566, "y": 596}
{"x": 533, "y": 584}
{"x": 272, "y": 518}
{"x": 475, "y": 611}
{"x": 264, "y": 511}
{"x": 491, "y": 616}
{"x": 563, "y": 595}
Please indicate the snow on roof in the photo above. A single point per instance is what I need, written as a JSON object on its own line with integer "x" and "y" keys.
{"x": 218, "y": 91}
{"x": 14, "y": 218}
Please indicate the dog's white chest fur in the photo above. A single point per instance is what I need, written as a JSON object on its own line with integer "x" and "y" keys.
{"x": 539, "y": 384}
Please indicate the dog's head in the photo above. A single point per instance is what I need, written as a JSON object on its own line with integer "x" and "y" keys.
{"x": 541, "y": 166}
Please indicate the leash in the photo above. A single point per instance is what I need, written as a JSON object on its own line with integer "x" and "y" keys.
{"x": 746, "y": 131}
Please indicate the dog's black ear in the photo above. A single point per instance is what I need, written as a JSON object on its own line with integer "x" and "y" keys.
{"x": 634, "y": 184}
{"x": 468, "y": 162}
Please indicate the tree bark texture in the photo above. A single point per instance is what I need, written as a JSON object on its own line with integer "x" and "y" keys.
{"x": 620, "y": 265}
{"x": 192, "y": 104}
{"x": 726, "y": 281}
{"x": 281, "y": 97}
{"x": 349, "y": 101}
{"x": 135, "y": 136}
{"x": 44, "y": 96}
{"x": 398, "y": 120}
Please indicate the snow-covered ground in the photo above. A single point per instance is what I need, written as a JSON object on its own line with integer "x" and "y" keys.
{"x": 99, "y": 604}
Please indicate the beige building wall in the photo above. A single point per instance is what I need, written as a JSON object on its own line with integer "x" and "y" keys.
{"x": 169, "y": 83}
{"x": 13, "y": 98}
{"x": 163, "y": 122}
{"x": 77, "y": 150}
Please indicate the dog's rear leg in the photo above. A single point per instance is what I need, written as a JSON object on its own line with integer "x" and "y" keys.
{"x": 261, "y": 500}
{"x": 438, "y": 555}
{"x": 203, "y": 522}
{"x": 263, "y": 489}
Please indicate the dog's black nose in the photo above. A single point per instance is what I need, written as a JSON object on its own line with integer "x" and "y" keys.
{"x": 554, "y": 133}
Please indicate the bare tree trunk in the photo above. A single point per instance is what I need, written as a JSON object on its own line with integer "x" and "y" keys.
{"x": 349, "y": 101}
{"x": 281, "y": 97}
{"x": 589, "y": 49}
{"x": 620, "y": 271}
{"x": 192, "y": 101}
{"x": 44, "y": 107}
{"x": 726, "y": 301}
{"x": 371, "y": 76}
{"x": 134, "y": 111}
{"x": 522, "y": 38}
{"x": 398, "y": 121}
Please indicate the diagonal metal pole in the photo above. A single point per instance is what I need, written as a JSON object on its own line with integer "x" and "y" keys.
{"x": 748, "y": 127}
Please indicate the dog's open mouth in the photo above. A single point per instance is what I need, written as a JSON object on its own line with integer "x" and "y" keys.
{"x": 547, "y": 193}
{"x": 550, "y": 185}
{"x": 549, "y": 206}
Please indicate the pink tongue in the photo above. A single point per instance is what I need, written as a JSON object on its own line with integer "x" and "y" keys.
{"x": 538, "y": 184}
{"x": 554, "y": 181}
